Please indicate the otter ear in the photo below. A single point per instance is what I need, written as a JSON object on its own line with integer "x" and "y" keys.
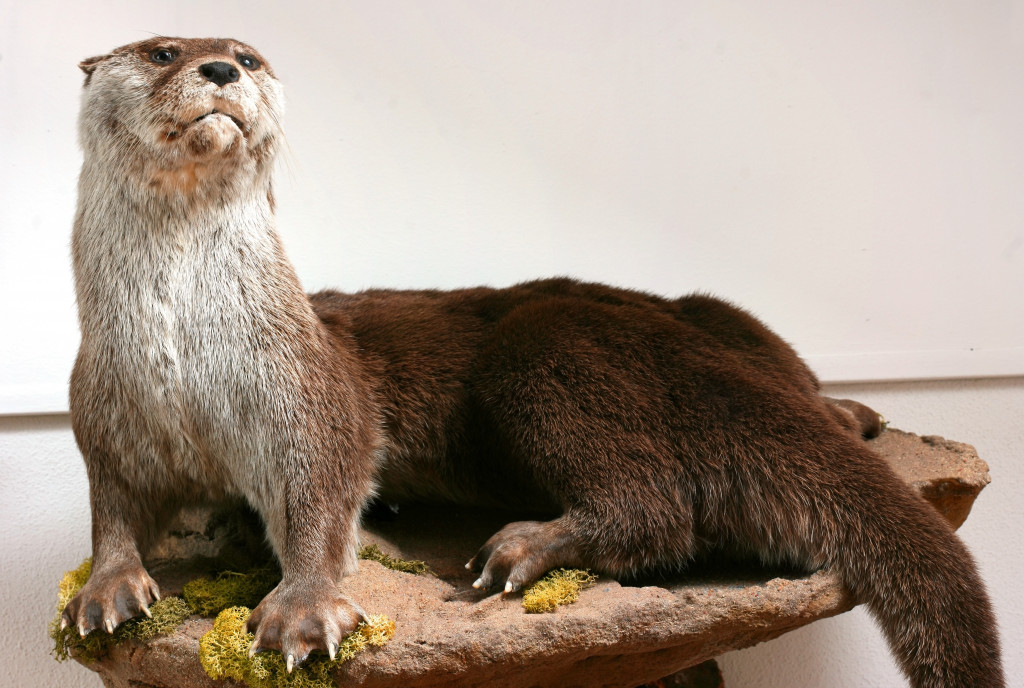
{"x": 89, "y": 65}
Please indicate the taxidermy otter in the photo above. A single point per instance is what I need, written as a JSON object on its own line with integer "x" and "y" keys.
{"x": 651, "y": 429}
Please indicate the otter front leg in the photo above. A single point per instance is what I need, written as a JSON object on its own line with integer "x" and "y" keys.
{"x": 314, "y": 535}
{"x": 118, "y": 587}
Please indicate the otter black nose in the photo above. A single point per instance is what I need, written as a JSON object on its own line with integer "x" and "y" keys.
{"x": 219, "y": 73}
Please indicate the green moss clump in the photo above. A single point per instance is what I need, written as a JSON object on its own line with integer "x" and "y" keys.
{"x": 558, "y": 587}
{"x": 69, "y": 586}
{"x": 374, "y": 553}
{"x": 224, "y": 653}
{"x": 167, "y": 614}
{"x": 210, "y": 597}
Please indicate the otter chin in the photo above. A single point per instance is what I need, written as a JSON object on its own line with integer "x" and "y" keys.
{"x": 642, "y": 431}
{"x": 212, "y": 135}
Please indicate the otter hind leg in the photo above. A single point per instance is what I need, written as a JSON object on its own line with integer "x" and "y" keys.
{"x": 856, "y": 417}
{"x": 586, "y": 420}
{"x": 626, "y": 529}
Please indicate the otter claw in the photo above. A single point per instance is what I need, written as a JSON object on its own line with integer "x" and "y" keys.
{"x": 332, "y": 650}
{"x": 81, "y": 629}
{"x": 508, "y": 587}
{"x": 252, "y": 650}
{"x": 290, "y": 663}
{"x": 478, "y": 583}
{"x": 145, "y": 610}
{"x": 63, "y": 623}
{"x": 109, "y": 625}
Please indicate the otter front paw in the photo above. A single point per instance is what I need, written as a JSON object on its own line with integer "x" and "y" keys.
{"x": 109, "y": 598}
{"x": 298, "y": 618}
{"x": 522, "y": 552}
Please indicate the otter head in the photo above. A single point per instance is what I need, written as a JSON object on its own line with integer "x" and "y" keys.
{"x": 180, "y": 116}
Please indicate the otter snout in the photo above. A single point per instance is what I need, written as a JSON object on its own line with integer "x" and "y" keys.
{"x": 219, "y": 73}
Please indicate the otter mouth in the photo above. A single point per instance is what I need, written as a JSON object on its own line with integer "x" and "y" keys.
{"x": 175, "y": 129}
{"x": 238, "y": 123}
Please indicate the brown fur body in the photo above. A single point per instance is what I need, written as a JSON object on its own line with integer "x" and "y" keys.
{"x": 652, "y": 430}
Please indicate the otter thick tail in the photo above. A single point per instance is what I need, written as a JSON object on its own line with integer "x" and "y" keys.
{"x": 897, "y": 555}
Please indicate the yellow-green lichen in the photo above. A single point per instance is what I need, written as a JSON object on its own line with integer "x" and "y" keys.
{"x": 374, "y": 553}
{"x": 224, "y": 653}
{"x": 209, "y": 597}
{"x": 72, "y": 582}
{"x": 558, "y": 587}
{"x": 167, "y": 614}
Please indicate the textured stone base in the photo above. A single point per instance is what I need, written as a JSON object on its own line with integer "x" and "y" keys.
{"x": 453, "y": 636}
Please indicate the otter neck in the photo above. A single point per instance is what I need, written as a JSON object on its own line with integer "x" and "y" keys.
{"x": 141, "y": 253}
{"x": 166, "y": 184}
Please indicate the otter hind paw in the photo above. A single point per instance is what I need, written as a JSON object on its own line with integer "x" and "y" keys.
{"x": 522, "y": 552}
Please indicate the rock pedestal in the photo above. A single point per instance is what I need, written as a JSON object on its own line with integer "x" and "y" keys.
{"x": 450, "y": 635}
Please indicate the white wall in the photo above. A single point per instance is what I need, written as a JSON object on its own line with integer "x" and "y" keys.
{"x": 45, "y": 531}
{"x": 850, "y": 171}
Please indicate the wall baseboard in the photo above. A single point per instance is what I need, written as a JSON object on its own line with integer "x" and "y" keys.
{"x": 939, "y": 364}
{"x": 33, "y": 400}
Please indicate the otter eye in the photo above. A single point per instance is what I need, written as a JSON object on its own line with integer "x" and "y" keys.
{"x": 248, "y": 61}
{"x": 162, "y": 56}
